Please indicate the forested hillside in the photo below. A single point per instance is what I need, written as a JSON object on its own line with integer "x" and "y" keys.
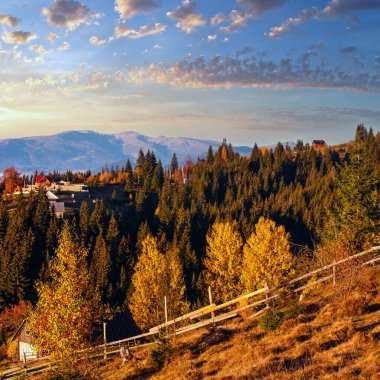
{"x": 178, "y": 231}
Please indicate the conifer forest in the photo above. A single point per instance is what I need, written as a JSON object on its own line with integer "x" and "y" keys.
{"x": 226, "y": 221}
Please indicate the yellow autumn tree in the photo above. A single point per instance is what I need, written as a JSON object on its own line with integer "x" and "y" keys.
{"x": 156, "y": 275}
{"x": 223, "y": 261}
{"x": 63, "y": 319}
{"x": 267, "y": 256}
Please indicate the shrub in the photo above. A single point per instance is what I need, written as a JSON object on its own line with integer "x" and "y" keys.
{"x": 159, "y": 354}
{"x": 293, "y": 310}
{"x": 271, "y": 320}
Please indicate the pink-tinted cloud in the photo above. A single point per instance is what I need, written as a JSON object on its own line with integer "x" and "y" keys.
{"x": 143, "y": 31}
{"x": 18, "y": 37}
{"x": 129, "y": 8}
{"x": 69, "y": 14}
{"x": 10, "y": 21}
{"x": 188, "y": 19}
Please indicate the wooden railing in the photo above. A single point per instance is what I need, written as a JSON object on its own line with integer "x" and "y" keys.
{"x": 178, "y": 325}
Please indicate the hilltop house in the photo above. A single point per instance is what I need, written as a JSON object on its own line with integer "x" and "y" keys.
{"x": 318, "y": 144}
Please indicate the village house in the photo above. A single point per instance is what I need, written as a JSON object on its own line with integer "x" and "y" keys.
{"x": 26, "y": 351}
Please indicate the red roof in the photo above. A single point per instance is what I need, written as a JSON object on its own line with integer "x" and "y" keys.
{"x": 41, "y": 178}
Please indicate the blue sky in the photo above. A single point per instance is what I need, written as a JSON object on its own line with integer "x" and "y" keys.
{"x": 247, "y": 70}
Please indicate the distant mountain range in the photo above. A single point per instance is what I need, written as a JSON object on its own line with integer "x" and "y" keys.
{"x": 82, "y": 150}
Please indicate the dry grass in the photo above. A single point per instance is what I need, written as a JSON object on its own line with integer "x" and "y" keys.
{"x": 335, "y": 337}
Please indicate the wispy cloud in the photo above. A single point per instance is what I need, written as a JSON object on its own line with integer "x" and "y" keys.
{"x": 261, "y": 6}
{"x": 65, "y": 46}
{"x": 52, "y": 37}
{"x": 143, "y": 31}
{"x": 69, "y": 14}
{"x": 97, "y": 41}
{"x": 348, "y": 50}
{"x": 237, "y": 20}
{"x": 129, "y": 8}
{"x": 291, "y": 22}
{"x": 188, "y": 19}
{"x": 334, "y": 8}
{"x": 39, "y": 49}
{"x": 10, "y": 21}
{"x": 19, "y": 37}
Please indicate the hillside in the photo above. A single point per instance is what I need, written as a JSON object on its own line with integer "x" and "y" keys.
{"x": 335, "y": 335}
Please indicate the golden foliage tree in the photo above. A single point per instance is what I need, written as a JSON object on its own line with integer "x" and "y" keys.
{"x": 63, "y": 319}
{"x": 156, "y": 275}
{"x": 267, "y": 256}
{"x": 223, "y": 261}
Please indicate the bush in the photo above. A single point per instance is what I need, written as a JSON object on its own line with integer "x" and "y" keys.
{"x": 293, "y": 310}
{"x": 159, "y": 354}
{"x": 271, "y": 320}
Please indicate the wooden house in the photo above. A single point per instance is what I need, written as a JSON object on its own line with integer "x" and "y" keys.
{"x": 26, "y": 351}
{"x": 318, "y": 144}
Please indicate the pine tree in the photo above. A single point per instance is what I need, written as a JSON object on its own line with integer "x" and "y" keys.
{"x": 223, "y": 261}
{"x": 267, "y": 257}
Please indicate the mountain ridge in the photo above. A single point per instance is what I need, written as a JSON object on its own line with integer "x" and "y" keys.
{"x": 87, "y": 149}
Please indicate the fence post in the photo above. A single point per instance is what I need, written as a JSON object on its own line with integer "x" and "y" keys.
{"x": 210, "y": 299}
{"x": 105, "y": 338}
{"x": 266, "y": 294}
{"x": 166, "y": 315}
{"x": 334, "y": 274}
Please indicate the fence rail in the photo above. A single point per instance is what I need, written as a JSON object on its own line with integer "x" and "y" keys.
{"x": 269, "y": 295}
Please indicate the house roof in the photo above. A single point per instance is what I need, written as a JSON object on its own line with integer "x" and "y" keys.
{"x": 51, "y": 196}
{"x": 318, "y": 142}
{"x": 17, "y": 333}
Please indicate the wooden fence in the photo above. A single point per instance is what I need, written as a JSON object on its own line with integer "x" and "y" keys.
{"x": 184, "y": 323}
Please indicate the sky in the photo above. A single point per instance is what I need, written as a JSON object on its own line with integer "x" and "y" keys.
{"x": 245, "y": 70}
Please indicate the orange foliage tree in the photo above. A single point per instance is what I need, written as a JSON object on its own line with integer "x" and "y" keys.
{"x": 63, "y": 319}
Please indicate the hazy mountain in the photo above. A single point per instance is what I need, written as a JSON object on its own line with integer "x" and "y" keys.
{"x": 82, "y": 150}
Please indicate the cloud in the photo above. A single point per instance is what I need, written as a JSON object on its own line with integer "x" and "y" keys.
{"x": 8, "y": 20}
{"x": 291, "y": 22}
{"x": 143, "y": 31}
{"x": 157, "y": 46}
{"x": 65, "y": 46}
{"x": 238, "y": 19}
{"x": 96, "y": 41}
{"x": 348, "y": 50}
{"x": 261, "y": 6}
{"x": 128, "y": 8}
{"x": 339, "y": 7}
{"x": 211, "y": 37}
{"x": 255, "y": 72}
{"x": 39, "y": 49}
{"x": 218, "y": 19}
{"x": 334, "y": 8}
{"x": 51, "y": 37}
{"x": 69, "y": 14}
{"x": 18, "y": 37}
{"x": 188, "y": 19}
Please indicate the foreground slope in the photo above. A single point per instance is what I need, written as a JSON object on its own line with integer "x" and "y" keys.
{"x": 335, "y": 334}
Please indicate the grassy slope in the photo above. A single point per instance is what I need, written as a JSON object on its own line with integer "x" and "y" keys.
{"x": 336, "y": 336}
